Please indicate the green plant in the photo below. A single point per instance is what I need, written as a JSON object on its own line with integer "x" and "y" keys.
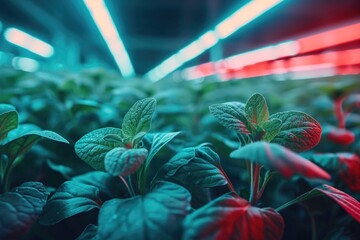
{"x": 30, "y": 197}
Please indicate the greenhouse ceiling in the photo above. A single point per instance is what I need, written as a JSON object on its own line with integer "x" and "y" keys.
{"x": 153, "y": 31}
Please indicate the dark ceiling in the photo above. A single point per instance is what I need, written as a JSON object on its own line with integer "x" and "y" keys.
{"x": 154, "y": 30}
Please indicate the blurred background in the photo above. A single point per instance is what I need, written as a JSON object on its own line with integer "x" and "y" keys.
{"x": 184, "y": 39}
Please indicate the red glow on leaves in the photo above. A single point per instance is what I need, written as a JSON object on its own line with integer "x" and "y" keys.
{"x": 348, "y": 203}
{"x": 289, "y": 163}
{"x": 341, "y": 136}
{"x": 231, "y": 217}
{"x": 350, "y": 171}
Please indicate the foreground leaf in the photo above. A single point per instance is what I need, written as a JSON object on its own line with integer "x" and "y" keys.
{"x": 93, "y": 147}
{"x": 124, "y": 162}
{"x": 348, "y": 203}
{"x": 231, "y": 117}
{"x": 19, "y": 143}
{"x": 299, "y": 131}
{"x": 8, "y": 119}
{"x": 231, "y": 217}
{"x": 138, "y": 118}
{"x": 108, "y": 185}
{"x": 157, "y": 215}
{"x": 20, "y": 208}
{"x": 256, "y": 109}
{"x": 70, "y": 198}
{"x": 276, "y": 157}
{"x": 198, "y": 166}
{"x": 159, "y": 140}
{"x": 89, "y": 233}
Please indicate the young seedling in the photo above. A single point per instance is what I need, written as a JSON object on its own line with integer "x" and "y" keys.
{"x": 266, "y": 142}
{"x": 148, "y": 210}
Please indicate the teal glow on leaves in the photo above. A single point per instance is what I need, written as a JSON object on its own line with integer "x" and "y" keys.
{"x": 93, "y": 146}
{"x": 198, "y": 166}
{"x": 231, "y": 116}
{"x": 276, "y": 157}
{"x": 8, "y": 119}
{"x": 157, "y": 215}
{"x": 231, "y": 217}
{"x": 20, "y": 209}
{"x": 20, "y": 141}
{"x": 123, "y": 162}
{"x": 256, "y": 109}
{"x": 138, "y": 118}
{"x": 299, "y": 131}
{"x": 159, "y": 141}
{"x": 70, "y": 198}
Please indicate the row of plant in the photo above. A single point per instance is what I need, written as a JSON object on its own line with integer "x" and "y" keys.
{"x": 233, "y": 172}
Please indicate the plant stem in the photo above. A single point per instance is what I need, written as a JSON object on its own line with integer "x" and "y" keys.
{"x": 312, "y": 220}
{"x": 263, "y": 186}
{"x": 5, "y": 184}
{"x": 255, "y": 177}
{"x": 127, "y": 186}
{"x": 339, "y": 113}
{"x": 230, "y": 186}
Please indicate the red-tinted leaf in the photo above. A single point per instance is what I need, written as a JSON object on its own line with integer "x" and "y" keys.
{"x": 273, "y": 156}
{"x": 348, "y": 203}
{"x": 341, "y": 136}
{"x": 299, "y": 131}
{"x": 231, "y": 116}
{"x": 231, "y": 217}
{"x": 350, "y": 170}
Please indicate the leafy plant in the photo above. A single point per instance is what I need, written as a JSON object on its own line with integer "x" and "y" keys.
{"x": 264, "y": 142}
{"x": 30, "y": 197}
{"x": 120, "y": 152}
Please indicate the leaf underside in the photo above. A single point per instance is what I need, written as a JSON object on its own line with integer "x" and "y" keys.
{"x": 276, "y": 157}
{"x": 20, "y": 208}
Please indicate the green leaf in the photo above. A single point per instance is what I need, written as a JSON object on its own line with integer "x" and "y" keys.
{"x": 20, "y": 140}
{"x": 93, "y": 147}
{"x": 159, "y": 140}
{"x": 198, "y": 166}
{"x": 276, "y": 157}
{"x": 138, "y": 118}
{"x": 231, "y": 217}
{"x": 299, "y": 131}
{"x": 256, "y": 109}
{"x": 89, "y": 233}
{"x": 124, "y": 162}
{"x": 108, "y": 185}
{"x": 157, "y": 215}
{"x": 329, "y": 161}
{"x": 20, "y": 208}
{"x": 231, "y": 117}
{"x": 65, "y": 171}
{"x": 348, "y": 203}
{"x": 70, "y": 198}
{"x": 272, "y": 128}
{"x": 8, "y": 119}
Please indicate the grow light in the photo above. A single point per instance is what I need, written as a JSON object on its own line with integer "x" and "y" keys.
{"x": 25, "y": 40}
{"x": 234, "y": 22}
{"x": 243, "y": 16}
{"x": 106, "y": 26}
{"x": 25, "y": 64}
{"x": 318, "y": 41}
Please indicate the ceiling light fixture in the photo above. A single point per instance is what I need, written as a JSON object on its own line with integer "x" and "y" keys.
{"x": 25, "y": 40}
{"x": 106, "y": 26}
{"x": 224, "y": 29}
